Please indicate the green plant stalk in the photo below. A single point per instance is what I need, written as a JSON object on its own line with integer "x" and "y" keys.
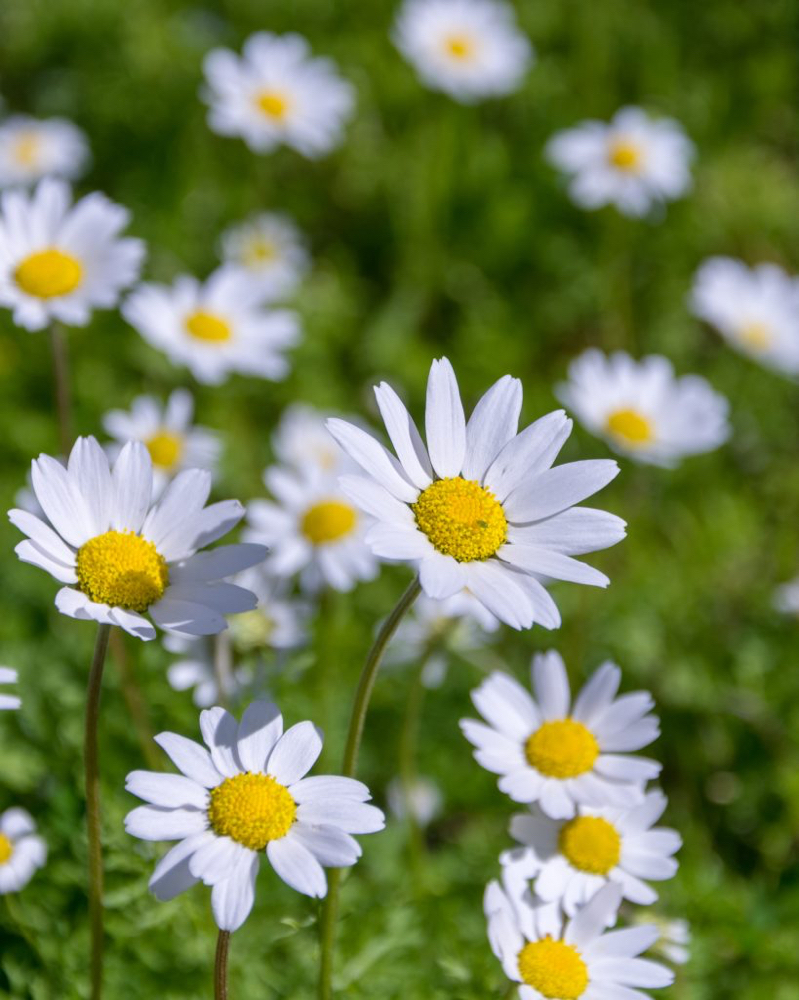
{"x": 63, "y": 396}
{"x": 220, "y": 965}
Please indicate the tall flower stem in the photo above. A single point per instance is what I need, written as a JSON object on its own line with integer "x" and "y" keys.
{"x": 63, "y": 397}
{"x": 220, "y": 965}
{"x": 92, "y": 767}
{"x": 354, "y": 734}
{"x": 137, "y": 707}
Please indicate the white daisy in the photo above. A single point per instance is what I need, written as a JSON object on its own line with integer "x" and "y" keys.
{"x": 214, "y": 327}
{"x": 59, "y": 261}
{"x": 31, "y": 149}
{"x": 480, "y": 508}
{"x": 469, "y": 49}
{"x": 559, "y": 754}
{"x": 280, "y": 621}
{"x": 423, "y": 800}
{"x": 277, "y": 93}
{"x": 578, "y": 961}
{"x": 634, "y": 162}
{"x": 271, "y": 248}
{"x": 786, "y": 597}
{"x": 195, "y": 670}
{"x": 121, "y": 556}
{"x": 22, "y": 851}
{"x": 576, "y": 857}
{"x": 303, "y": 442}
{"x": 674, "y": 935}
{"x": 245, "y": 795}
{"x": 642, "y": 410}
{"x": 755, "y": 309}
{"x": 8, "y": 676}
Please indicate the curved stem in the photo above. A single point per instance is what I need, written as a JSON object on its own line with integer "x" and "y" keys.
{"x": 220, "y": 965}
{"x": 58, "y": 342}
{"x": 92, "y": 766}
{"x": 357, "y": 719}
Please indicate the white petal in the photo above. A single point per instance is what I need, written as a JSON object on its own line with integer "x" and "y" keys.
{"x": 528, "y": 454}
{"x": 494, "y": 422}
{"x": 59, "y": 500}
{"x": 295, "y": 753}
{"x": 132, "y": 478}
{"x": 30, "y": 552}
{"x": 328, "y": 786}
{"x": 45, "y": 539}
{"x": 227, "y": 560}
{"x": 441, "y": 576}
{"x": 260, "y": 728}
{"x": 589, "y": 922}
{"x": 192, "y": 759}
{"x": 16, "y": 822}
{"x": 187, "y": 617}
{"x": 169, "y": 790}
{"x": 503, "y": 702}
{"x": 445, "y": 424}
{"x": 632, "y": 972}
{"x": 346, "y": 814}
{"x": 625, "y": 943}
{"x": 220, "y": 731}
{"x": 331, "y": 847}
{"x": 372, "y": 458}
{"x": 376, "y": 500}
{"x": 232, "y": 898}
{"x": 404, "y": 436}
{"x": 551, "y": 684}
{"x": 597, "y": 693}
{"x": 152, "y": 823}
{"x": 559, "y": 488}
{"x": 215, "y": 860}
{"x": 171, "y": 875}
{"x": 91, "y": 477}
{"x": 545, "y": 562}
{"x": 495, "y": 587}
{"x": 132, "y": 623}
{"x": 298, "y": 868}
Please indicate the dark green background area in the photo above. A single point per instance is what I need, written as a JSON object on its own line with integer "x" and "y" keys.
{"x": 435, "y": 228}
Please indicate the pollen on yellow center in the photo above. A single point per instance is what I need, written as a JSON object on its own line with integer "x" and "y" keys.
{"x": 252, "y": 809}
{"x": 327, "y": 521}
{"x": 273, "y": 104}
{"x": 48, "y": 273}
{"x": 121, "y": 569}
{"x": 554, "y": 968}
{"x": 461, "y": 518}
{"x": 6, "y": 848}
{"x": 562, "y": 748}
{"x": 26, "y": 149}
{"x": 755, "y": 336}
{"x": 208, "y": 326}
{"x": 460, "y": 46}
{"x": 625, "y": 155}
{"x": 165, "y": 448}
{"x": 591, "y": 844}
{"x": 630, "y": 427}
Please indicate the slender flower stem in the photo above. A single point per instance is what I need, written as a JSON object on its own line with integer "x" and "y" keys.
{"x": 137, "y": 708}
{"x": 223, "y": 667}
{"x": 220, "y": 966}
{"x": 358, "y": 717}
{"x": 92, "y": 765}
{"x": 58, "y": 342}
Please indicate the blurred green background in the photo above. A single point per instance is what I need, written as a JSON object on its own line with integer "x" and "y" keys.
{"x": 435, "y": 228}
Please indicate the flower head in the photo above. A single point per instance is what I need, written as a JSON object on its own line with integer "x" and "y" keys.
{"x": 197, "y": 670}
{"x": 303, "y": 442}
{"x": 31, "y": 148}
{"x": 280, "y": 621}
{"x": 674, "y": 935}
{"x": 7, "y": 701}
{"x": 271, "y": 248}
{"x": 22, "y": 851}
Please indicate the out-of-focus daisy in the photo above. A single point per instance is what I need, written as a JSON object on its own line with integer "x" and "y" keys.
{"x": 633, "y": 162}
{"x": 120, "y": 556}
{"x": 8, "y": 676}
{"x": 642, "y": 410}
{"x": 31, "y": 149}
{"x": 245, "y": 795}
{"x": 277, "y": 93}
{"x": 58, "y": 261}
{"x": 480, "y": 508}
{"x": 786, "y": 597}
{"x": 195, "y": 670}
{"x": 580, "y": 961}
{"x": 173, "y": 441}
{"x": 215, "y": 327}
{"x": 422, "y": 800}
{"x": 559, "y": 754}
{"x": 22, "y": 851}
{"x": 576, "y": 857}
{"x": 280, "y": 621}
{"x": 469, "y": 49}
{"x": 271, "y": 248}
{"x": 675, "y": 935}
{"x": 755, "y": 309}
{"x": 303, "y": 442}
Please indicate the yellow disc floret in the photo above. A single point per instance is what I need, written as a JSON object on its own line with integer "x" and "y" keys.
{"x": 273, "y": 104}
{"x": 121, "y": 569}
{"x": 625, "y": 155}
{"x": 259, "y": 251}
{"x": 755, "y": 336}
{"x": 554, "y": 968}
{"x": 460, "y": 46}
{"x": 461, "y": 518}
{"x": 26, "y": 149}
{"x": 252, "y": 809}
{"x": 563, "y": 748}
{"x": 209, "y": 327}
{"x": 165, "y": 448}
{"x": 630, "y": 427}
{"x": 6, "y": 849}
{"x": 327, "y": 522}
{"x": 591, "y": 844}
{"x": 48, "y": 274}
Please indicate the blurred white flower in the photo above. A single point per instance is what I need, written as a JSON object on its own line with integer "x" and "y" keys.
{"x": 7, "y": 701}
{"x": 755, "y": 309}
{"x": 786, "y": 597}
{"x": 215, "y": 327}
{"x": 22, "y": 851}
{"x": 469, "y": 49}
{"x": 634, "y": 162}
{"x": 423, "y": 800}
{"x": 675, "y": 935}
{"x": 32, "y": 148}
{"x": 59, "y": 261}
{"x": 277, "y": 93}
{"x": 280, "y": 620}
{"x": 303, "y": 442}
{"x": 196, "y": 670}
{"x": 641, "y": 409}
{"x": 271, "y": 248}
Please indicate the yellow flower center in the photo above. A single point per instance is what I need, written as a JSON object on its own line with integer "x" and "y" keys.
{"x": 590, "y": 844}
{"x": 554, "y": 968}
{"x": 625, "y": 155}
{"x": 562, "y": 749}
{"x": 252, "y": 629}
{"x": 461, "y": 518}
{"x": 327, "y": 522}
{"x": 259, "y": 251}
{"x": 755, "y": 336}
{"x": 26, "y": 149}
{"x": 165, "y": 449}
{"x": 48, "y": 273}
{"x": 460, "y": 46}
{"x": 252, "y": 809}
{"x": 274, "y": 104}
{"x": 121, "y": 569}
{"x": 209, "y": 327}
{"x": 6, "y": 848}
{"x": 630, "y": 427}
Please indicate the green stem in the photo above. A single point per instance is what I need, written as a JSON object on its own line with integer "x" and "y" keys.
{"x": 92, "y": 766}
{"x": 223, "y": 667}
{"x": 58, "y": 342}
{"x": 357, "y": 719}
{"x": 220, "y": 965}
{"x": 137, "y": 707}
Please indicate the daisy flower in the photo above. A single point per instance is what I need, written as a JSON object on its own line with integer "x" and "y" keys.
{"x": 580, "y": 960}
{"x": 469, "y": 49}
{"x": 276, "y": 94}
{"x": 674, "y": 939}
{"x": 196, "y": 670}
{"x": 8, "y": 676}
{"x": 559, "y": 754}
{"x": 480, "y": 508}
{"x": 167, "y": 431}
{"x": 22, "y": 851}
{"x": 245, "y": 795}
{"x": 303, "y": 442}
{"x": 642, "y": 410}
{"x": 120, "y": 556}
{"x": 634, "y": 162}
{"x": 576, "y": 857}
{"x": 755, "y": 309}
{"x": 786, "y": 597}
{"x": 271, "y": 248}
{"x": 280, "y": 621}
{"x": 214, "y": 327}
{"x": 58, "y": 261}
{"x": 31, "y": 149}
